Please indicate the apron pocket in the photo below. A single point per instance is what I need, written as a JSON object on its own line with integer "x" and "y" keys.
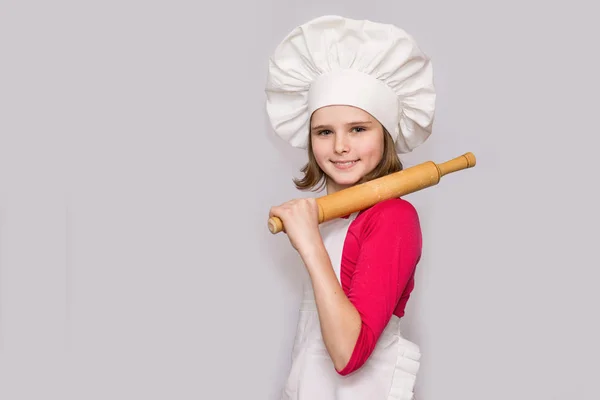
{"x": 405, "y": 374}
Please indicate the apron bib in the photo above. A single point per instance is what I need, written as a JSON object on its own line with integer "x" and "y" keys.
{"x": 389, "y": 373}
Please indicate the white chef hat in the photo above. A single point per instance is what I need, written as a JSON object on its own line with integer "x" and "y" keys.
{"x": 332, "y": 60}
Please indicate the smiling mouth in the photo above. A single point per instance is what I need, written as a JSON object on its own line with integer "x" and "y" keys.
{"x": 344, "y": 164}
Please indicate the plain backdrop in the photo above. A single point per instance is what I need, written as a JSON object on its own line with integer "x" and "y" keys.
{"x": 137, "y": 169}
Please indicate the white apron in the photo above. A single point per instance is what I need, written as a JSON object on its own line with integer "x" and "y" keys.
{"x": 389, "y": 373}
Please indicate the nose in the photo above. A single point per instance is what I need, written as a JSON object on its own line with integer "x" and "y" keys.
{"x": 341, "y": 143}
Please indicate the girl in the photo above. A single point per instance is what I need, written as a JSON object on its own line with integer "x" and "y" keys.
{"x": 354, "y": 94}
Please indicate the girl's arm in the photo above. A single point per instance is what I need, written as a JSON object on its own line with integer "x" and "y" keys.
{"x": 390, "y": 246}
{"x": 340, "y": 321}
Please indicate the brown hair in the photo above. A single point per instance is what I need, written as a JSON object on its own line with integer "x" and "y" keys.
{"x": 313, "y": 174}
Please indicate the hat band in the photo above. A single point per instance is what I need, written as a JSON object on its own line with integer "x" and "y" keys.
{"x": 355, "y": 88}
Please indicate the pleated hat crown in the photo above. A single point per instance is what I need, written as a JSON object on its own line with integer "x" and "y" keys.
{"x": 333, "y": 60}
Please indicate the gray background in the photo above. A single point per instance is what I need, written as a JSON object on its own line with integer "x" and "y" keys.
{"x": 137, "y": 169}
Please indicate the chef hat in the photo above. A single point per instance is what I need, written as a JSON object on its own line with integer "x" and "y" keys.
{"x": 333, "y": 60}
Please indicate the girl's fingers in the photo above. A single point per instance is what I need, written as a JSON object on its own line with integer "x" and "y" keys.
{"x": 277, "y": 211}
{"x": 290, "y": 207}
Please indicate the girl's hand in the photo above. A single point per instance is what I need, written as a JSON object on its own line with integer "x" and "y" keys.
{"x": 300, "y": 219}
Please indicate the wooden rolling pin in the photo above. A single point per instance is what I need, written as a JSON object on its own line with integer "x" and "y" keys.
{"x": 360, "y": 197}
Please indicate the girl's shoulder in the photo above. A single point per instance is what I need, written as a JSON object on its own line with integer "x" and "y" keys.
{"x": 392, "y": 215}
{"x": 393, "y": 218}
{"x": 395, "y": 207}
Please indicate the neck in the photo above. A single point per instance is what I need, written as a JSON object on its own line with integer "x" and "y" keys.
{"x": 333, "y": 187}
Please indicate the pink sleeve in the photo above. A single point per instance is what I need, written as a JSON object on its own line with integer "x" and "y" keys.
{"x": 390, "y": 248}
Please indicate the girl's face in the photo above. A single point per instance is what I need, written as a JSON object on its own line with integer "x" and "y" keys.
{"x": 347, "y": 143}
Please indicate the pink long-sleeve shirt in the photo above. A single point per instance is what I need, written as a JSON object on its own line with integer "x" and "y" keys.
{"x": 381, "y": 251}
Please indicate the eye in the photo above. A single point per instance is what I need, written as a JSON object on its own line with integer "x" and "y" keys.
{"x": 359, "y": 129}
{"x": 324, "y": 132}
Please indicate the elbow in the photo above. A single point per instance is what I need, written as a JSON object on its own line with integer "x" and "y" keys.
{"x": 347, "y": 368}
{"x": 347, "y": 362}
{"x": 346, "y": 358}
{"x": 342, "y": 356}
{"x": 341, "y": 364}
{"x": 355, "y": 356}
{"x": 343, "y": 371}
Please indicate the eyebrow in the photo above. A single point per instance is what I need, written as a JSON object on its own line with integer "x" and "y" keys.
{"x": 314, "y": 128}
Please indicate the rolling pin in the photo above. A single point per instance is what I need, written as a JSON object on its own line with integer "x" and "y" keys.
{"x": 360, "y": 197}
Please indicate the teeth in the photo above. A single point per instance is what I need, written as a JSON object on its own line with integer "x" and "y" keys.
{"x": 345, "y": 163}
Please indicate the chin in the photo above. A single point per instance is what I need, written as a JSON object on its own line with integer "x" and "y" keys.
{"x": 345, "y": 180}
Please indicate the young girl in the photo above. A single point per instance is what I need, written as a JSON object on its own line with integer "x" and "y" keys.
{"x": 354, "y": 94}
